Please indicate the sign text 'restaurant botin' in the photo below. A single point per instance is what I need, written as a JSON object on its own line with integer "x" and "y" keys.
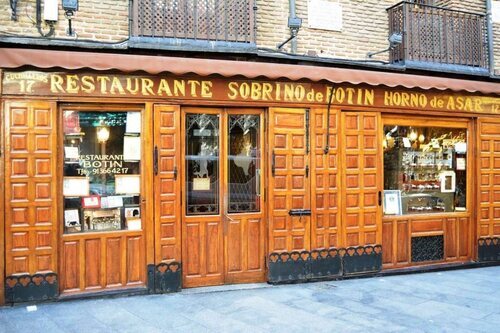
{"x": 94, "y": 85}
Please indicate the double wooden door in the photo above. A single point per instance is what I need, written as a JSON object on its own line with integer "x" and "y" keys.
{"x": 304, "y": 199}
{"x": 213, "y": 157}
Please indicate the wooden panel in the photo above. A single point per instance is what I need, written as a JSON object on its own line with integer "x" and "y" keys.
{"x": 114, "y": 263}
{"x": 99, "y": 261}
{"x": 289, "y": 186}
{"x": 488, "y": 177}
{"x": 92, "y": 263}
{"x": 203, "y": 251}
{"x": 465, "y": 238}
{"x": 398, "y": 232}
{"x": 167, "y": 184}
{"x": 427, "y": 225}
{"x": 450, "y": 239}
{"x": 70, "y": 271}
{"x": 387, "y": 242}
{"x": 245, "y": 249}
{"x": 403, "y": 242}
{"x": 361, "y": 178}
{"x": 30, "y": 187}
{"x": 325, "y": 179}
{"x": 135, "y": 260}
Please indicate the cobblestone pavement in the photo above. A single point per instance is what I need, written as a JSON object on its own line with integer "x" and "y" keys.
{"x": 452, "y": 301}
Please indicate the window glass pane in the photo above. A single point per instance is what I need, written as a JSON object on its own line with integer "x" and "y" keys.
{"x": 101, "y": 183}
{"x": 202, "y": 164}
{"x": 424, "y": 170}
{"x": 244, "y": 163}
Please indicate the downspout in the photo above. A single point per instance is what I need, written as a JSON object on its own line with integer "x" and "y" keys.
{"x": 292, "y": 14}
{"x": 489, "y": 27}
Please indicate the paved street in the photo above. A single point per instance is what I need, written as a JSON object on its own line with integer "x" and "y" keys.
{"x": 452, "y": 301}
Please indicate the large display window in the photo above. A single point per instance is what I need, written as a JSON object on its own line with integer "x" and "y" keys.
{"x": 101, "y": 171}
{"x": 425, "y": 169}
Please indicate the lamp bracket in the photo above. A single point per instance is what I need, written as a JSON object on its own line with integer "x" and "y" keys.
{"x": 13, "y": 6}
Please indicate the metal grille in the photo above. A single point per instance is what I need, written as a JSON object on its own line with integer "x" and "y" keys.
{"x": 438, "y": 35}
{"x": 427, "y": 248}
{"x": 215, "y": 20}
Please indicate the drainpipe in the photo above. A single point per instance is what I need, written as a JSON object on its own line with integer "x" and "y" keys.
{"x": 292, "y": 14}
{"x": 489, "y": 25}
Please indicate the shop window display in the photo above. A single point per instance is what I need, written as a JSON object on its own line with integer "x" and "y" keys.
{"x": 424, "y": 170}
{"x": 101, "y": 175}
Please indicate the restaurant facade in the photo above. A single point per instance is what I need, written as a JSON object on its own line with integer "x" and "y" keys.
{"x": 147, "y": 174}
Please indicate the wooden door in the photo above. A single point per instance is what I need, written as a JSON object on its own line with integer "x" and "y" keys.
{"x": 361, "y": 178}
{"x": 289, "y": 183}
{"x": 244, "y": 203}
{"x": 167, "y": 184}
{"x": 202, "y": 225}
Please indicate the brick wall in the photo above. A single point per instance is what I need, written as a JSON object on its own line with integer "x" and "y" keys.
{"x": 365, "y": 25}
{"x": 98, "y": 20}
{"x": 365, "y": 28}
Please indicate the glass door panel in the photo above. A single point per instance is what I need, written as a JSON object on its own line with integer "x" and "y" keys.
{"x": 202, "y": 164}
{"x": 244, "y": 163}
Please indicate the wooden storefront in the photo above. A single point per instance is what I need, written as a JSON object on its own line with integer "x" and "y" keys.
{"x": 222, "y": 178}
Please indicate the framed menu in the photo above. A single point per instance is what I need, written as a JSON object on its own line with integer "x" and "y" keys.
{"x": 127, "y": 184}
{"x": 392, "y": 202}
{"x": 76, "y": 186}
{"x": 131, "y": 148}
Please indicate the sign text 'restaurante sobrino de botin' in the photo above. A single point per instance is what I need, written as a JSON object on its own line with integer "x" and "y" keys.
{"x": 217, "y": 89}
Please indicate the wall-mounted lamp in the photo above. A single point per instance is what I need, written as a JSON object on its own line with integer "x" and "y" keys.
{"x": 102, "y": 133}
{"x": 70, "y": 7}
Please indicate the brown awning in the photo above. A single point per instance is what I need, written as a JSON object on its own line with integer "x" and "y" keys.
{"x": 46, "y": 59}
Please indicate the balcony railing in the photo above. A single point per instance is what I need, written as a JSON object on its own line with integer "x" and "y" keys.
{"x": 436, "y": 35}
{"x": 207, "y": 20}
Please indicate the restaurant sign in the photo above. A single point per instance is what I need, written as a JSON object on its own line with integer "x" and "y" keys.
{"x": 217, "y": 89}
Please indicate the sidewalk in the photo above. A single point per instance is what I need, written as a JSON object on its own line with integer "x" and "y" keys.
{"x": 452, "y": 301}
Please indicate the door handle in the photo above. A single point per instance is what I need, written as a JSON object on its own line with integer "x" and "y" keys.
{"x": 175, "y": 172}
{"x": 273, "y": 164}
{"x": 380, "y": 198}
{"x": 257, "y": 185}
{"x": 299, "y": 212}
{"x": 155, "y": 161}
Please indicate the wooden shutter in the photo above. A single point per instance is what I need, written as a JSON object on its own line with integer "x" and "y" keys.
{"x": 167, "y": 143}
{"x": 289, "y": 183}
{"x": 361, "y": 178}
{"x": 489, "y": 177}
{"x": 325, "y": 179}
{"x": 30, "y": 187}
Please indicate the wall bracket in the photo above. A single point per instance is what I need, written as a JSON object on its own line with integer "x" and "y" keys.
{"x": 13, "y": 6}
